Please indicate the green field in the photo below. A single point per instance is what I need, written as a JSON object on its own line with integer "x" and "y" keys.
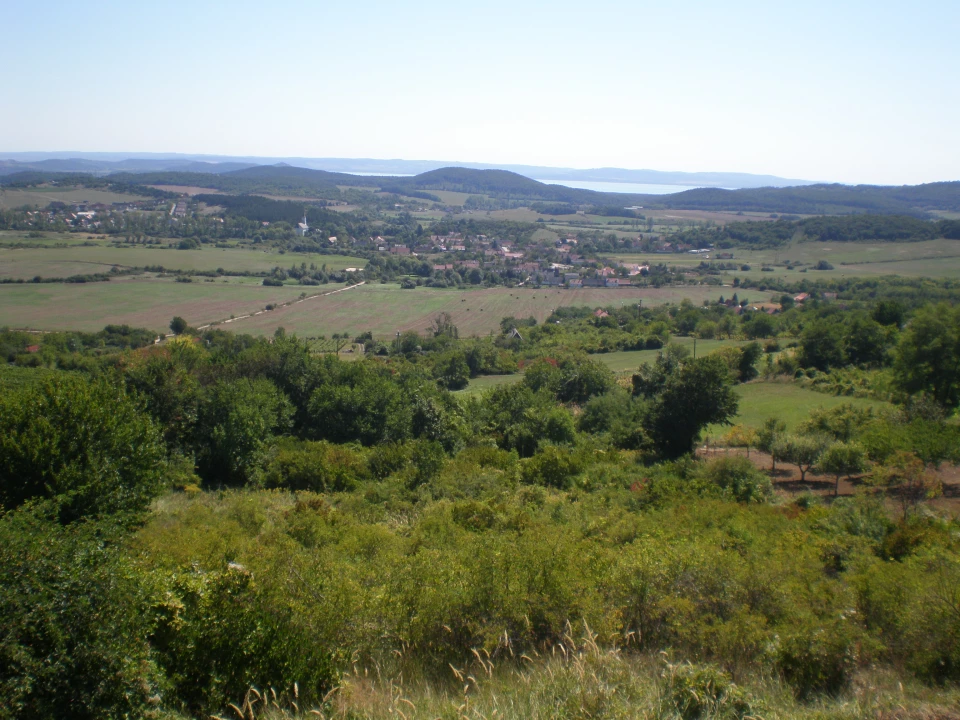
{"x": 137, "y": 301}
{"x": 448, "y": 197}
{"x": 485, "y": 382}
{"x": 759, "y": 400}
{"x": 46, "y": 239}
{"x": 387, "y": 309}
{"x": 43, "y": 196}
{"x": 930, "y": 258}
{"x": 785, "y": 400}
{"x": 629, "y": 360}
{"x": 625, "y": 361}
{"x": 58, "y": 262}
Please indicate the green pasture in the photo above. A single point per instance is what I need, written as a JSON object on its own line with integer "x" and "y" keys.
{"x": 630, "y": 360}
{"x": 787, "y": 401}
{"x": 43, "y": 196}
{"x": 138, "y": 301}
{"x": 448, "y": 197}
{"x": 385, "y": 309}
{"x": 486, "y": 382}
{"x": 625, "y": 361}
{"x": 47, "y": 239}
{"x": 55, "y": 262}
{"x": 759, "y": 400}
{"x": 930, "y": 258}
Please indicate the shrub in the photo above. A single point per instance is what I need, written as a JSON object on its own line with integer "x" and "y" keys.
{"x": 697, "y": 692}
{"x": 816, "y": 655}
{"x": 315, "y": 466}
{"x": 75, "y": 623}
{"x": 738, "y": 477}
{"x": 551, "y": 466}
{"x": 387, "y": 459}
{"x": 84, "y": 446}
{"x": 427, "y": 458}
{"x": 219, "y": 633}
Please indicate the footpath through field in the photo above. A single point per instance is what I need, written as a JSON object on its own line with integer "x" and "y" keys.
{"x": 279, "y": 305}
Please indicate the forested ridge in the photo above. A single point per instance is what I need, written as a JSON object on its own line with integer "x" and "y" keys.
{"x": 829, "y": 199}
{"x": 847, "y": 228}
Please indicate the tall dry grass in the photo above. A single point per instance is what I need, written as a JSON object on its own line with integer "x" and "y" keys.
{"x": 579, "y": 679}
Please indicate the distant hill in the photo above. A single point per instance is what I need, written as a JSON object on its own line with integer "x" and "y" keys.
{"x": 491, "y": 182}
{"x": 115, "y": 162}
{"x": 282, "y": 179}
{"x": 107, "y": 167}
{"x": 820, "y": 199}
{"x": 807, "y": 200}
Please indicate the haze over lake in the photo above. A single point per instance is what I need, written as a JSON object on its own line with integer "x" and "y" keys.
{"x": 599, "y": 186}
{"x": 621, "y": 187}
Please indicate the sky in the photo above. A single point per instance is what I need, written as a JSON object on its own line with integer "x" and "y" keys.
{"x": 843, "y": 91}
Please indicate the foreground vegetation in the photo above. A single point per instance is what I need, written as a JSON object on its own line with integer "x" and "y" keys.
{"x": 221, "y": 519}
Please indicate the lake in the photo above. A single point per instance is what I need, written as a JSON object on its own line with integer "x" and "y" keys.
{"x": 621, "y": 187}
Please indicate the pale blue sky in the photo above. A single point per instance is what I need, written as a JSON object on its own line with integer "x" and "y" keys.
{"x": 847, "y": 90}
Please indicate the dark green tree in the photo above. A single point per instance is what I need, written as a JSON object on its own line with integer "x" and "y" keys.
{"x": 820, "y": 346}
{"x": 695, "y": 394}
{"x": 236, "y": 421}
{"x": 452, "y": 370}
{"x": 178, "y": 325}
{"x": 927, "y": 359}
{"x": 864, "y": 341}
{"x": 368, "y": 409}
{"x": 747, "y": 365}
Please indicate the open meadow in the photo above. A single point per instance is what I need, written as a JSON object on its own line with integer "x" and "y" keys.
{"x": 785, "y": 400}
{"x": 929, "y": 258}
{"x": 385, "y": 309}
{"x": 137, "y": 301}
{"x": 48, "y": 261}
{"x": 623, "y": 362}
{"x": 43, "y": 196}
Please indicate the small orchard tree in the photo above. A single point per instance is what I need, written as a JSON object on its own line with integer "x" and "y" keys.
{"x": 905, "y": 475}
{"x": 799, "y": 450}
{"x": 842, "y": 459}
{"x": 842, "y": 422}
{"x": 767, "y": 436}
{"x": 742, "y": 436}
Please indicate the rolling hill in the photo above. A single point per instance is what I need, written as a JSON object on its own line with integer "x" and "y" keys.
{"x": 283, "y": 179}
